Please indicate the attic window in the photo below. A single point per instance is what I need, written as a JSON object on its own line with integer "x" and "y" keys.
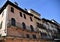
{"x": 12, "y": 9}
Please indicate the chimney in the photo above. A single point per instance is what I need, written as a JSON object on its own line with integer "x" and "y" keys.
{"x": 16, "y": 3}
{"x": 7, "y": 0}
{"x": 25, "y": 9}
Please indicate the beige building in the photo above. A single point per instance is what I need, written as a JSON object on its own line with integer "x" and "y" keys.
{"x": 19, "y": 25}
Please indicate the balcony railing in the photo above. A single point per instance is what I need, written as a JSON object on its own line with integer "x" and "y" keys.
{"x": 42, "y": 26}
{"x": 46, "y": 37}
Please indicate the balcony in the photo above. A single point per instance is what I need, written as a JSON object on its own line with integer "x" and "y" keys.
{"x": 58, "y": 35}
{"x": 46, "y": 37}
{"x": 41, "y": 26}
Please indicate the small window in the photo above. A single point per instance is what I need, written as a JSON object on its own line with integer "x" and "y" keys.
{"x": 12, "y": 9}
{"x": 32, "y": 29}
{"x": 24, "y": 16}
{"x": 21, "y": 14}
{"x": 24, "y": 26}
{"x": 27, "y": 35}
{"x": 39, "y": 25}
{"x": 1, "y": 25}
{"x": 34, "y": 36}
{"x": 31, "y": 18}
{"x": 2, "y": 13}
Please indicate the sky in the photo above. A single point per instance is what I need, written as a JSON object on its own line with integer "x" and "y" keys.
{"x": 49, "y": 9}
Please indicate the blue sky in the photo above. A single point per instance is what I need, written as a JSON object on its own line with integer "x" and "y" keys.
{"x": 49, "y": 9}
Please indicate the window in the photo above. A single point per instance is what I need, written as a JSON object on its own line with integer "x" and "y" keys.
{"x": 27, "y": 35}
{"x": 2, "y": 41}
{"x": 2, "y": 13}
{"x": 13, "y": 22}
{"x": 1, "y": 25}
{"x": 52, "y": 25}
{"x": 12, "y": 9}
{"x": 32, "y": 29}
{"x": 58, "y": 30}
{"x": 31, "y": 18}
{"x": 24, "y": 16}
{"x": 43, "y": 35}
{"x": 21, "y": 14}
{"x": 38, "y": 25}
{"x": 34, "y": 36}
{"x": 24, "y": 26}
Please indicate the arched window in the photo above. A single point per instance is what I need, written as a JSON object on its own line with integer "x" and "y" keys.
{"x": 13, "y": 22}
{"x": 24, "y": 26}
{"x": 32, "y": 29}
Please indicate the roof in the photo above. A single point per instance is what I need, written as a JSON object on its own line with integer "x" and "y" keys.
{"x": 35, "y": 12}
{"x": 10, "y": 3}
{"x": 50, "y": 21}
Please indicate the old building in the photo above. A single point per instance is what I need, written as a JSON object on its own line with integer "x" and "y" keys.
{"x": 20, "y": 25}
{"x": 52, "y": 28}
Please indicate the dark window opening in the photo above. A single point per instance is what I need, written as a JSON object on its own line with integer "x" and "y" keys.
{"x": 24, "y": 16}
{"x": 21, "y": 14}
{"x": 2, "y": 13}
{"x": 24, "y": 26}
{"x": 27, "y": 35}
{"x": 2, "y": 41}
{"x": 43, "y": 35}
{"x": 34, "y": 36}
{"x": 38, "y": 25}
{"x": 41, "y": 26}
{"x": 58, "y": 30}
{"x": 1, "y": 25}
{"x": 13, "y": 22}
{"x": 32, "y": 29}
{"x": 31, "y": 18}
{"x": 12, "y": 9}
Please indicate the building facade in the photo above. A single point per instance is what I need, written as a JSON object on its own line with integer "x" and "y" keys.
{"x": 19, "y": 25}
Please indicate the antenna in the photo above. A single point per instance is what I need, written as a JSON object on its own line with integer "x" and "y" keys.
{"x": 7, "y": 0}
